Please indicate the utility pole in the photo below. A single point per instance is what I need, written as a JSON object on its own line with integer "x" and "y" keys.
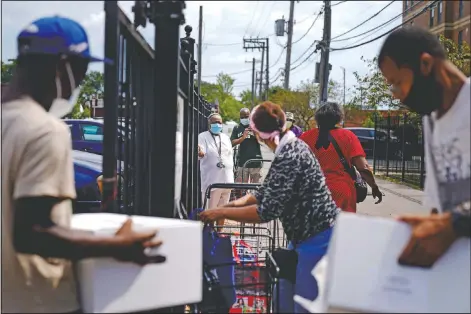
{"x": 343, "y": 69}
{"x": 325, "y": 47}
{"x": 254, "y": 80}
{"x": 200, "y": 47}
{"x": 261, "y": 75}
{"x": 267, "y": 66}
{"x": 260, "y": 44}
{"x": 288, "y": 46}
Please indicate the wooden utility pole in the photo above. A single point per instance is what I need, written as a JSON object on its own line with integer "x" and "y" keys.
{"x": 325, "y": 47}
{"x": 343, "y": 70}
{"x": 288, "y": 45}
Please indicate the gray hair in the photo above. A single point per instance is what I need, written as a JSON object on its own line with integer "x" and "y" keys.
{"x": 329, "y": 114}
{"x": 214, "y": 114}
{"x": 244, "y": 109}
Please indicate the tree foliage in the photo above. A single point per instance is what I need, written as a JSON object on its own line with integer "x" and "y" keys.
{"x": 7, "y": 71}
{"x": 459, "y": 55}
{"x": 302, "y": 101}
{"x": 222, "y": 93}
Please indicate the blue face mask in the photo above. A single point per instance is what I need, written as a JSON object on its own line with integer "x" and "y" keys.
{"x": 216, "y": 128}
{"x": 244, "y": 121}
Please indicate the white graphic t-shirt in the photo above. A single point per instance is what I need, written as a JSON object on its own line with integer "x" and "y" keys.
{"x": 448, "y": 171}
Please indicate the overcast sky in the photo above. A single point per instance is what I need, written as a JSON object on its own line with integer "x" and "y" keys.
{"x": 225, "y": 25}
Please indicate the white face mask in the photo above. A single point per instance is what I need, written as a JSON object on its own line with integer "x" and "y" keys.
{"x": 60, "y": 106}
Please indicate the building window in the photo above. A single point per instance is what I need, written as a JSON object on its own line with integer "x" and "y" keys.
{"x": 432, "y": 16}
{"x": 460, "y": 38}
{"x": 440, "y": 11}
{"x": 405, "y": 5}
{"x": 460, "y": 11}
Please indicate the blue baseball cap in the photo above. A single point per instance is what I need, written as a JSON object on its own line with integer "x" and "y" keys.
{"x": 56, "y": 35}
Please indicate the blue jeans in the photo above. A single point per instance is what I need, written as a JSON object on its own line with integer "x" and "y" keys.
{"x": 310, "y": 252}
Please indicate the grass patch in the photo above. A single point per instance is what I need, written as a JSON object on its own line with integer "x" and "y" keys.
{"x": 399, "y": 181}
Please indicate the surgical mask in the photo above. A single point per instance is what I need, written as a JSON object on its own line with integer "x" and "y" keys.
{"x": 60, "y": 106}
{"x": 289, "y": 124}
{"x": 216, "y": 128}
{"x": 244, "y": 121}
{"x": 425, "y": 95}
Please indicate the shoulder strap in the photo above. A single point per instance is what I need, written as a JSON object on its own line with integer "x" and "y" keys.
{"x": 344, "y": 162}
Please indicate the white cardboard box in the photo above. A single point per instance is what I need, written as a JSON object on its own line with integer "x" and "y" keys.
{"x": 107, "y": 285}
{"x": 363, "y": 274}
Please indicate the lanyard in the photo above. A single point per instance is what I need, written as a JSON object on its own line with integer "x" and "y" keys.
{"x": 220, "y": 144}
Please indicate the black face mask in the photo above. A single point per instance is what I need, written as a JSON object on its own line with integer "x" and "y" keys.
{"x": 425, "y": 95}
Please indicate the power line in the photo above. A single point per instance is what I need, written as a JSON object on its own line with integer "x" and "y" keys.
{"x": 305, "y": 60}
{"x": 310, "y": 27}
{"x": 376, "y": 28}
{"x": 390, "y": 31}
{"x": 251, "y": 20}
{"x": 340, "y": 2}
{"x": 279, "y": 58}
{"x": 233, "y": 73}
{"x": 266, "y": 19}
{"x": 365, "y": 21}
{"x": 221, "y": 45}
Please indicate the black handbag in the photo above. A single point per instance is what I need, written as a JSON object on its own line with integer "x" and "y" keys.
{"x": 287, "y": 261}
{"x": 360, "y": 184}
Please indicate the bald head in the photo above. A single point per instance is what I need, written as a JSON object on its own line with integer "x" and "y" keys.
{"x": 244, "y": 113}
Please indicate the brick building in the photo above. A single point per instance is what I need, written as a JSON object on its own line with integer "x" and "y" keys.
{"x": 449, "y": 18}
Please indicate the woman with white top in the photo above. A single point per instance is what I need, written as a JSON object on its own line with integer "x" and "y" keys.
{"x": 216, "y": 162}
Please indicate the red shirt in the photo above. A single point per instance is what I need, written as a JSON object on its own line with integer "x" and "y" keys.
{"x": 337, "y": 179}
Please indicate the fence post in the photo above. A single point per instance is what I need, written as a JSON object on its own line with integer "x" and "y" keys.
{"x": 387, "y": 144}
{"x": 403, "y": 148}
{"x": 167, "y": 17}
{"x": 374, "y": 142}
{"x": 111, "y": 100}
{"x": 422, "y": 161}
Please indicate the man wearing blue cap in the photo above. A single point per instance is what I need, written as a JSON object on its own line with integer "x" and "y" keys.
{"x": 38, "y": 176}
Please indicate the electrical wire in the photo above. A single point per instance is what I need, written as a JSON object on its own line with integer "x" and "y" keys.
{"x": 251, "y": 20}
{"x": 376, "y": 28}
{"x": 222, "y": 45}
{"x": 340, "y": 2}
{"x": 365, "y": 21}
{"x": 267, "y": 17}
{"x": 390, "y": 31}
{"x": 278, "y": 59}
{"x": 305, "y": 60}
{"x": 310, "y": 27}
{"x": 234, "y": 73}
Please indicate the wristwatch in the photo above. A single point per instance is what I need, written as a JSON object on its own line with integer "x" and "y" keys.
{"x": 461, "y": 220}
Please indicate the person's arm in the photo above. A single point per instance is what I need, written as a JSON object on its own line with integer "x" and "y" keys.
{"x": 246, "y": 200}
{"x": 237, "y": 140}
{"x": 34, "y": 232}
{"x": 364, "y": 169}
{"x": 43, "y": 189}
{"x": 201, "y": 146}
{"x": 247, "y": 214}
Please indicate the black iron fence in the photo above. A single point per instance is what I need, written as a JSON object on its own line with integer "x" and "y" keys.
{"x": 398, "y": 150}
{"x": 153, "y": 114}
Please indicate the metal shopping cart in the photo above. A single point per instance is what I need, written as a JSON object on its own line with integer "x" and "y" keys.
{"x": 254, "y": 268}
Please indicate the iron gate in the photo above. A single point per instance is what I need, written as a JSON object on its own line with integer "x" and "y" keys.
{"x": 153, "y": 114}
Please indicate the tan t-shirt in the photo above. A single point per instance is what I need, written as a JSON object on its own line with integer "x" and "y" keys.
{"x": 36, "y": 161}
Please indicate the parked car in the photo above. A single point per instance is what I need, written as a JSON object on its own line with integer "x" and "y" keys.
{"x": 367, "y": 140}
{"x": 87, "y": 169}
{"x": 87, "y": 135}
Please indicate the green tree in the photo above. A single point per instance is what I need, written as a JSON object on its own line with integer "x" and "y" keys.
{"x": 7, "y": 71}
{"x": 222, "y": 91}
{"x": 246, "y": 98}
{"x": 459, "y": 55}
{"x": 92, "y": 84}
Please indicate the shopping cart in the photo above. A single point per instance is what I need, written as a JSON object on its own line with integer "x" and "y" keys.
{"x": 255, "y": 270}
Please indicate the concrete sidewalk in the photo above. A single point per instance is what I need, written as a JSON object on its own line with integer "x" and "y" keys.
{"x": 398, "y": 199}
